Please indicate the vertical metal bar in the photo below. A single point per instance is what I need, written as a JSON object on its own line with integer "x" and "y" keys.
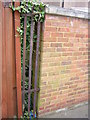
{"x": 24, "y": 49}
{"x": 36, "y": 68}
{"x": 30, "y": 61}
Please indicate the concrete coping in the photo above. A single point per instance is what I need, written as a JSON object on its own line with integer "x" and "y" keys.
{"x": 67, "y": 12}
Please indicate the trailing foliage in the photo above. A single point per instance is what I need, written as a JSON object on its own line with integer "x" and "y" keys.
{"x": 29, "y": 7}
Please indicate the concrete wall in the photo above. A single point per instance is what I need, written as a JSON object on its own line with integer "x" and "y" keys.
{"x": 75, "y": 3}
{"x": 64, "y": 60}
{"x": 67, "y": 3}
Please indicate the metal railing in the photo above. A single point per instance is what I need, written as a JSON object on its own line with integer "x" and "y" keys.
{"x": 36, "y": 89}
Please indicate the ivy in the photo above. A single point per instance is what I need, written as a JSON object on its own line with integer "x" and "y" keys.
{"x": 24, "y": 8}
{"x": 31, "y": 6}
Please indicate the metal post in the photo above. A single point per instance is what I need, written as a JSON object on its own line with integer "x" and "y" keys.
{"x": 36, "y": 68}
{"x": 24, "y": 49}
{"x": 30, "y": 62}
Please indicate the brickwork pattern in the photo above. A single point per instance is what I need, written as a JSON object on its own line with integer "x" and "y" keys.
{"x": 64, "y": 63}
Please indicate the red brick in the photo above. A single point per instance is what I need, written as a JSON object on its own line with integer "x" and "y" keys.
{"x": 68, "y": 44}
{"x": 69, "y": 35}
{"x": 55, "y": 35}
{"x": 51, "y": 29}
{"x": 56, "y": 45}
{"x": 63, "y": 40}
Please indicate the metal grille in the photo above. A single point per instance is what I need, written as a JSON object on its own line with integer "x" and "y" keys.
{"x": 35, "y": 90}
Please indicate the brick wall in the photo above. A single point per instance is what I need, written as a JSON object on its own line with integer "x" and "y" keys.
{"x": 64, "y": 63}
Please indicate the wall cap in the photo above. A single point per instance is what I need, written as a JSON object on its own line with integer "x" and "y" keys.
{"x": 67, "y": 12}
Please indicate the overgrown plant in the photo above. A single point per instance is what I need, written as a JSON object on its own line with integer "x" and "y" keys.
{"x": 29, "y": 7}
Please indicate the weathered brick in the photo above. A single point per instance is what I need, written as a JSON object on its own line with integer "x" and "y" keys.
{"x": 67, "y": 54}
{"x": 63, "y": 30}
{"x": 51, "y": 29}
{"x": 56, "y": 44}
{"x": 66, "y": 63}
{"x": 56, "y": 35}
{"x": 69, "y": 35}
{"x": 80, "y": 35}
{"x": 68, "y": 44}
{"x": 63, "y": 39}
{"x": 49, "y": 39}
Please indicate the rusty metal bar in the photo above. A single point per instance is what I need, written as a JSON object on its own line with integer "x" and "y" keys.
{"x": 36, "y": 67}
{"x": 30, "y": 61}
{"x": 30, "y": 14}
{"x": 31, "y": 90}
{"x": 24, "y": 49}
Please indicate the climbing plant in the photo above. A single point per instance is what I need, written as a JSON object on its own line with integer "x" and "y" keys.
{"x": 28, "y": 7}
